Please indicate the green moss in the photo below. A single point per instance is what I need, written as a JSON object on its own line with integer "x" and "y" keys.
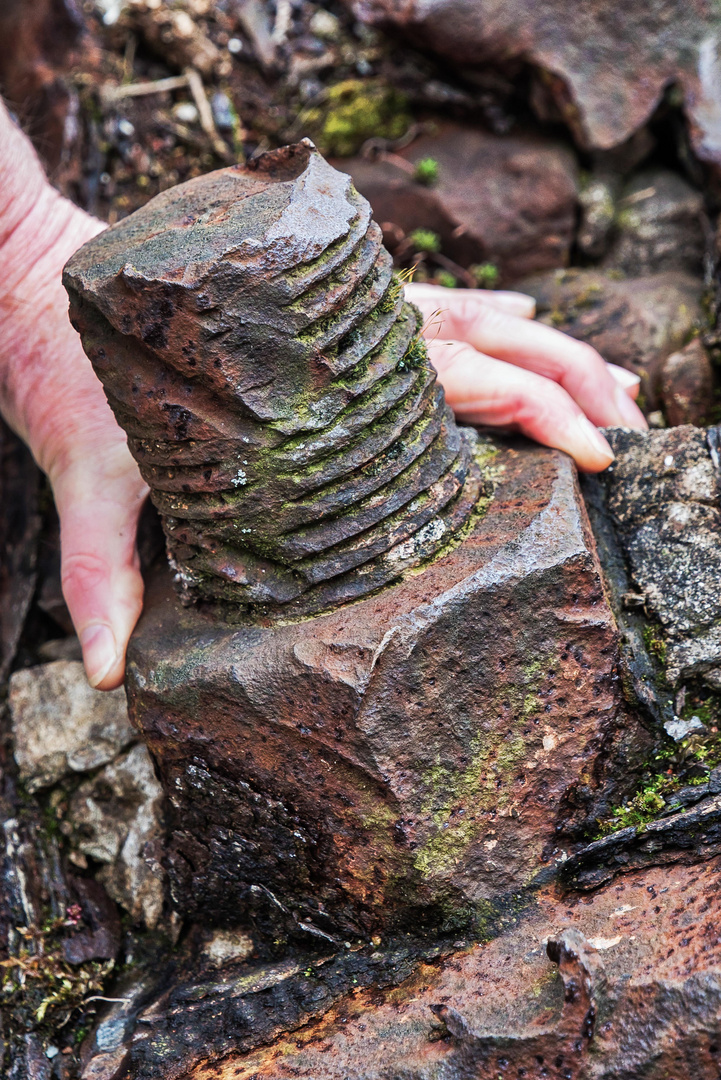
{"x": 427, "y": 171}
{"x": 486, "y": 275}
{"x": 388, "y": 301}
{"x": 655, "y": 642}
{"x": 446, "y": 279}
{"x": 415, "y": 356}
{"x": 356, "y": 110}
{"x": 486, "y": 783}
{"x": 425, "y": 240}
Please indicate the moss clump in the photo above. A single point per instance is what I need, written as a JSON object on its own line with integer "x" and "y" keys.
{"x": 655, "y": 642}
{"x": 356, "y": 110}
{"x": 426, "y": 240}
{"x": 446, "y": 279}
{"x": 415, "y": 356}
{"x": 427, "y": 171}
{"x": 646, "y": 805}
{"x": 40, "y": 984}
{"x": 486, "y": 275}
{"x": 389, "y": 299}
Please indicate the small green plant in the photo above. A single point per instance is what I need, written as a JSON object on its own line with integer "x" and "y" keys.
{"x": 655, "y": 642}
{"x": 446, "y": 279}
{"x": 426, "y": 240}
{"x": 427, "y": 171}
{"x": 486, "y": 275}
{"x": 355, "y": 110}
{"x": 415, "y": 356}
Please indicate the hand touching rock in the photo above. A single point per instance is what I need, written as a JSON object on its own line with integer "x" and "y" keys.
{"x": 498, "y": 367}
{"x": 51, "y": 397}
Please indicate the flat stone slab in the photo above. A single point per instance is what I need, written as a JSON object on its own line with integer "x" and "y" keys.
{"x": 407, "y": 759}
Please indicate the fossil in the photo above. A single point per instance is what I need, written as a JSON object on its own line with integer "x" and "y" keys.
{"x": 276, "y": 392}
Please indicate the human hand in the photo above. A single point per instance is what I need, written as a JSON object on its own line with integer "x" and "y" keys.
{"x": 500, "y": 368}
{"x": 52, "y": 398}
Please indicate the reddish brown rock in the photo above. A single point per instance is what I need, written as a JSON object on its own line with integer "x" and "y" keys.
{"x": 625, "y": 982}
{"x": 634, "y": 322}
{"x": 604, "y": 66}
{"x": 412, "y": 757}
{"x": 687, "y": 385}
{"x": 277, "y": 394}
{"x": 509, "y": 200}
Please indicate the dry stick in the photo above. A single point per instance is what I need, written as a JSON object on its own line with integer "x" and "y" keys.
{"x": 205, "y": 113}
{"x": 159, "y": 86}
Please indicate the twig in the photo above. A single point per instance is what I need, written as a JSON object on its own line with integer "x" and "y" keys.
{"x": 281, "y": 26}
{"x": 205, "y": 113}
{"x": 139, "y": 89}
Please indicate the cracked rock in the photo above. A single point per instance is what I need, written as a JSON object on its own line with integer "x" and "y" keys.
{"x": 61, "y": 725}
{"x": 114, "y": 816}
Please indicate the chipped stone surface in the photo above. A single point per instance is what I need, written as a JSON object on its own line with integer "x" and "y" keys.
{"x": 510, "y": 200}
{"x": 114, "y": 816}
{"x": 61, "y": 725}
{"x": 663, "y": 495}
{"x": 274, "y": 386}
{"x": 420, "y": 752}
{"x": 603, "y": 68}
{"x": 635, "y": 323}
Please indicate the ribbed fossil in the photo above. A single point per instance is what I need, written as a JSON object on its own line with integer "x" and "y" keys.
{"x": 256, "y": 347}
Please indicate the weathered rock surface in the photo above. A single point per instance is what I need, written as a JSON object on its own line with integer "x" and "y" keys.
{"x": 624, "y": 982}
{"x": 662, "y": 493}
{"x": 605, "y": 68}
{"x": 635, "y": 323}
{"x": 254, "y": 344}
{"x": 415, "y": 756}
{"x": 114, "y": 818}
{"x": 509, "y": 200}
{"x": 687, "y": 385}
{"x": 658, "y": 226}
{"x": 61, "y": 725}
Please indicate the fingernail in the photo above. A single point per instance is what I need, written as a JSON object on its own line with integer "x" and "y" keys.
{"x": 594, "y": 437}
{"x": 100, "y": 652}
{"x": 628, "y": 410}
{"x": 622, "y": 376}
{"x": 517, "y": 303}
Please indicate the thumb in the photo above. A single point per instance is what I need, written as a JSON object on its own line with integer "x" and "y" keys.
{"x": 99, "y": 499}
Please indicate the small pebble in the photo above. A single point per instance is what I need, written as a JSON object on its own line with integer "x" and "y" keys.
{"x": 125, "y": 128}
{"x": 223, "y": 111}
{"x": 185, "y": 112}
{"x": 235, "y": 46}
{"x": 324, "y": 25}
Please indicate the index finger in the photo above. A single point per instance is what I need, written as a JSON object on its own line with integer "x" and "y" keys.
{"x": 574, "y": 365}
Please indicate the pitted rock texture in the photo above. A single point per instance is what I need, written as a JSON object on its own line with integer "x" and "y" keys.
{"x": 602, "y": 67}
{"x": 274, "y": 386}
{"x": 622, "y": 983}
{"x": 408, "y": 759}
{"x": 662, "y": 493}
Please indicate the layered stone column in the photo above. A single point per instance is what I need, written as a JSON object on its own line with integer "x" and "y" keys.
{"x": 383, "y": 691}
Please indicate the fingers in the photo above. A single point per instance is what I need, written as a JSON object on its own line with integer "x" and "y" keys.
{"x": 483, "y": 390}
{"x": 631, "y": 383}
{"x": 99, "y": 498}
{"x": 572, "y": 364}
{"x": 431, "y": 298}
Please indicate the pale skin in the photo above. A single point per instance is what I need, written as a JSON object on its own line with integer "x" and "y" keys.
{"x": 497, "y": 366}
